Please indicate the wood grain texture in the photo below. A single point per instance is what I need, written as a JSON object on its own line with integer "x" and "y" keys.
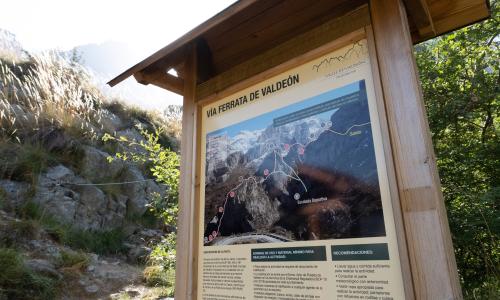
{"x": 430, "y": 248}
{"x": 447, "y": 15}
{"x": 288, "y": 50}
{"x": 185, "y": 256}
{"x": 196, "y": 215}
{"x": 347, "y": 39}
{"x": 276, "y": 26}
{"x": 421, "y": 16}
{"x": 249, "y": 27}
{"x": 391, "y": 170}
{"x": 161, "y": 79}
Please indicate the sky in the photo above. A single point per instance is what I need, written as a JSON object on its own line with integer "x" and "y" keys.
{"x": 144, "y": 26}
{"x": 263, "y": 121}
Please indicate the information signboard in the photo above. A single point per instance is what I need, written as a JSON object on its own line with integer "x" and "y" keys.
{"x": 294, "y": 193}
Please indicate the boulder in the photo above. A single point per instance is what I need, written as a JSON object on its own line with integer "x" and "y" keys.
{"x": 92, "y": 289}
{"x": 44, "y": 267}
{"x": 139, "y": 190}
{"x": 74, "y": 200}
{"x": 54, "y": 193}
{"x": 13, "y": 193}
{"x": 44, "y": 248}
{"x": 138, "y": 254}
{"x": 53, "y": 139}
{"x": 111, "y": 122}
{"x": 95, "y": 165}
{"x": 91, "y": 209}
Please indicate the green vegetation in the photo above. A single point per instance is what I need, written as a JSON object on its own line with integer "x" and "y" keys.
{"x": 100, "y": 242}
{"x": 158, "y": 276}
{"x": 164, "y": 166}
{"x": 3, "y": 198}
{"x": 460, "y": 77}
{"x": 74, "y": 258}
{"x": 49, "y": 112}
{"x": 24, "y": 162}
{"x": 18, "y": 282}
{"x": 147, "y": 219}
{"x": 167, "y": 136}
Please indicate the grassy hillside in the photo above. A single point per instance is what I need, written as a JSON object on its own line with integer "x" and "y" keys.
{"x": 52, "y": 116}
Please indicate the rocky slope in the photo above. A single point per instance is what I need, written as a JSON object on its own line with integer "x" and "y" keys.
{"x": 77, "y": 225}
{"x": 81, "y": 275}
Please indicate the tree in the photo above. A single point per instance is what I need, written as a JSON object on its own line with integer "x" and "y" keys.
{"x": 460, "y": 78}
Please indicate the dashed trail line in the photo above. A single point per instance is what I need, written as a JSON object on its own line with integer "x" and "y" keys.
{"x": 292, "y": 175}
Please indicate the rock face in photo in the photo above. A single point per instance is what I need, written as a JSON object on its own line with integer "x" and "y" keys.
{"x": 313, "y": 178}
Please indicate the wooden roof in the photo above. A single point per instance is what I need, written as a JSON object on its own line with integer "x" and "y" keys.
{"x": 250, "y": 27}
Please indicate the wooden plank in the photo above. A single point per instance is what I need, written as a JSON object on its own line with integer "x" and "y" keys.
{"x": 452, "y": 15}
{"x": 421, "y": 16}
{"x": 296, "y": 61}
{"x": 286, "y": 25}
{"x": 185, "y": 234}
{"x": 266, "y": 19}
{"x": 430, "y": 248}
{"x": 455, "y": 18}
{"x": 197, "y": 203}
{"x": 288, "y": 50}
{"x": 218, "y": 34}
{"x": 391, "y": 170}
{"x": 161, "y": 79}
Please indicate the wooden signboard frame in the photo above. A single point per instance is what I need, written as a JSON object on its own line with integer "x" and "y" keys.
{"x": 426, "y": 252}
{"x": 425, "y": 249}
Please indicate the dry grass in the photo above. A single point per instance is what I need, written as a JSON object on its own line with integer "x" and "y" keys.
{"x": 47, "y": 91}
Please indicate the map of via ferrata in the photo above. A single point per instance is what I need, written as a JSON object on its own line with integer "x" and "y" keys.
{"x": 306, "y": 171}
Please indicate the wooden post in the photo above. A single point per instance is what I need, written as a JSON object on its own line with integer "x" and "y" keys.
{"x": 185, "y": 227}
{"x": 432, "y": 259}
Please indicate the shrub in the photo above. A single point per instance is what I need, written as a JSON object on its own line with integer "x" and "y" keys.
{"x": 24, "y": 162}
{"x": 161, "y": 265}
{"x": 156, "y": 275}
{"x": 3, "y": 199}
{"x": 74, "y": 259}
{"x": 28, "y": 229}
{"x": 101, "y": 242}
{"x": 30, "y": 210}
{"x": 18, "y": 230}
{"x": 148, "y": 219}
{"x": 18, "y": 282}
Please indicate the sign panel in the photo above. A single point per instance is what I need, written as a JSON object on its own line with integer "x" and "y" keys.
{"x": 294, "y": 196}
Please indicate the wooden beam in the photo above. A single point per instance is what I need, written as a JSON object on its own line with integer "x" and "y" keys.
{"x": 430, "y": 249}
{"x": 288, "y": 50}
{"x": 273, "y": 27}
{"x": 207, "y": 69}
{"x": 452, "y": 15}
{"x": 161, "y": 79}
{"x": 421, "y": 16}
{"x": 185, "y": 39}
{"x": 184, "y": 274}
{"x": 391, "y": 171}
